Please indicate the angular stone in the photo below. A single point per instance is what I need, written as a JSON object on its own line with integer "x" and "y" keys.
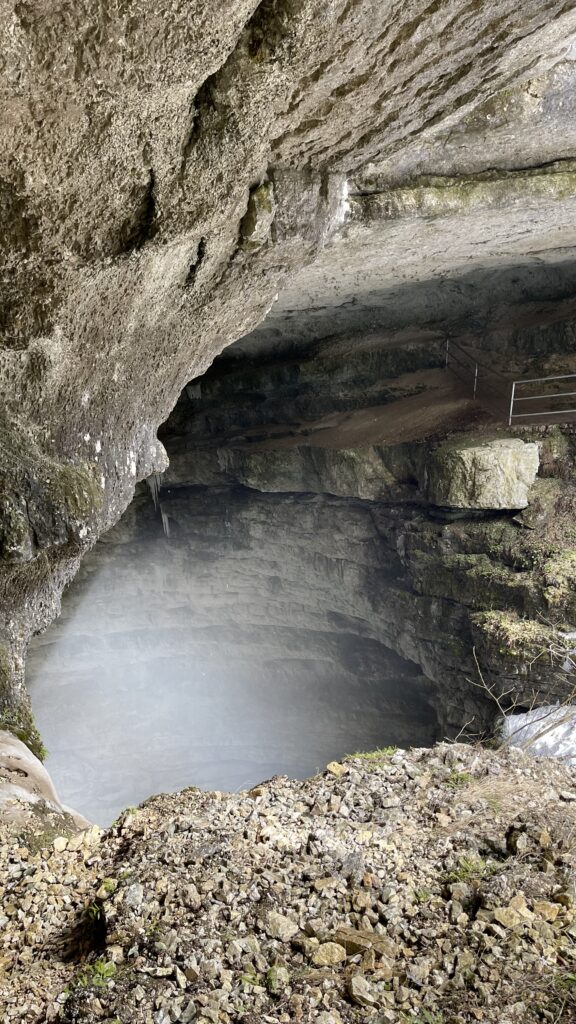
{"x": 358, "y": 941}
{"x": 277, "y": 926}
{"x": 329, "y": 954}
{"x": 549, "y": 911}
{"x": 360, "y": 990}
{"x": 507, "y": 917}
{"x": 277, "y": 979}
{"x": 470, "y": 473}
{"x": 134, "y": 896}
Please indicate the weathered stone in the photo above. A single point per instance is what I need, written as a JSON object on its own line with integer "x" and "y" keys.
{"x": 158, "y": 946}
{"x": 357, "y": 941}
{"x": 508, "y": 917}
{"x": 360, "y": 990}
{"x": 280, "y": 927}
{"x": 494, "y": 474}
{"x": 277, "y": 979}
{"x": 549, "y": 911}
{"x": 255, "y": 227}
{"x": 28, "y": 797}
{"x": 328, "y": 954}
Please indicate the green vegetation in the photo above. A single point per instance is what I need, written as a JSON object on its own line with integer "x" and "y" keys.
{"x": 22, "y": 725}
{"x": 456, "y": 780}
{"x": 95, "y": 911}
{"x": 380, "y": 754}
{"x": 106, "y": 888}
{"x": 423, "y": 895}
{"x": 17, "y": 720}
{"x": 566, "y": 982}
{"x": 254, "y": 979}
{"x": 520, "y": 638}
{"x": 96, "y": 975}
{"x": 471, "y": 869}
{"x": 436, "y": 196}
{"x": 564, "y": 997}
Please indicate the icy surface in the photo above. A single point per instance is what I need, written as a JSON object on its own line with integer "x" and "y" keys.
{"x": 548, "y": 731}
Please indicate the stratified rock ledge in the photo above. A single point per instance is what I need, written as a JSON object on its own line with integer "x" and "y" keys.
{"x": 430, "y": 885}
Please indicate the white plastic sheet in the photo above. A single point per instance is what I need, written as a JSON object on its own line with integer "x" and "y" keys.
{"x": 547, "y": 731}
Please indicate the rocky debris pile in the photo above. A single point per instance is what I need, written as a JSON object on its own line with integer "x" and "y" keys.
{"x": 47, "y": 913}
{"x": 431, "y": 886}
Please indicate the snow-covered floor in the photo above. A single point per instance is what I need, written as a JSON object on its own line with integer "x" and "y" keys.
{"x": 548, "y": 731}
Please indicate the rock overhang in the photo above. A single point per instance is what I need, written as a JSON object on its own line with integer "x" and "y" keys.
{"x": 130, "y": 153}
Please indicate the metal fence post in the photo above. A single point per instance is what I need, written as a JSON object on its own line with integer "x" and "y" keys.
{"x": 475, "y": 378}
{"x": 447, "y": 350}
{"x": 512, "y": 395}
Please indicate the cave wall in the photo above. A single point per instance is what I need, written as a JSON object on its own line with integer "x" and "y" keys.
{"x": 162, "y": 175}
{"x": 244, "y": 645}
{"x": 466, "y": 575}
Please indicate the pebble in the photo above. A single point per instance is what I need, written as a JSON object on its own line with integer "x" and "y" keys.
{"x": 336, "y": 900}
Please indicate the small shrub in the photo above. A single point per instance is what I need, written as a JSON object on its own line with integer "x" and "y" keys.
{"x": 470, "y": 869}
{"x": 96, "y": 975}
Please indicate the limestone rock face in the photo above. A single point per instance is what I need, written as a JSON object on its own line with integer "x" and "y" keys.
{"x": 164, "y": 173}
{"x": 28, "y": 799}
{"x": 491, "y": 475}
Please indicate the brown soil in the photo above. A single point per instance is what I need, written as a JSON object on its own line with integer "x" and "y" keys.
{"x": 440, "y": 408}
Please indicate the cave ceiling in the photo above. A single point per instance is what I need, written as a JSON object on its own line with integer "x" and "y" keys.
{"x": 166, "y": 170}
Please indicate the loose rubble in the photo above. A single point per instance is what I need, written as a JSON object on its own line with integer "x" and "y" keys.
{"x": 434, "y": 886}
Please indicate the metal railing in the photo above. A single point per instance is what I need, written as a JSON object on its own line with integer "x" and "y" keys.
{"x": 500, "y": 393}
{"x": 549, "y": 396}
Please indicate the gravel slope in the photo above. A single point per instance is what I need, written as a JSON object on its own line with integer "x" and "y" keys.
{"x": 431, "y": 885}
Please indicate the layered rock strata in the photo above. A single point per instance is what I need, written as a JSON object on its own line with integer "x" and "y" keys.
{"x": 472, "y": 544}
{"x": 162, "y": 177}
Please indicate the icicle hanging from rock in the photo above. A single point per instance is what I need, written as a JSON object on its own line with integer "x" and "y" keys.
{"x": 154, "y": 483}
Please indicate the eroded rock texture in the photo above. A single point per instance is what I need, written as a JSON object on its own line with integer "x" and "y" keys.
{"x": 164, "y": 170}
{"x": 28, "y": 801}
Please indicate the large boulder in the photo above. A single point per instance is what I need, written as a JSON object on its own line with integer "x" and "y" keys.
{"x": 490, "y": 474}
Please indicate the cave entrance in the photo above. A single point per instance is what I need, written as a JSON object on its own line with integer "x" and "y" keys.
{"x": 276, "y": 606}
{"x": 234, "y": 649}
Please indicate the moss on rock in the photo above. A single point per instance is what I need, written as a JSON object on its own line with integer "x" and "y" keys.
{"x": 16, "y": 716}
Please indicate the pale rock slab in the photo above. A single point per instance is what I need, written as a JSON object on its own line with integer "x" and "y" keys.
{"x": 495, "y": 474}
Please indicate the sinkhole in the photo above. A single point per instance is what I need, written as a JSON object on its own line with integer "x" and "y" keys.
{"x": 241, "y": 646}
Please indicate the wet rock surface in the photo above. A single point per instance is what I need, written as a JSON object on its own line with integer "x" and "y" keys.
{"x": 27, "y": 794}
{"x": 275, "y": 631}
{"x": 424, "y": 885}
{"x": 463, "y": 577}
